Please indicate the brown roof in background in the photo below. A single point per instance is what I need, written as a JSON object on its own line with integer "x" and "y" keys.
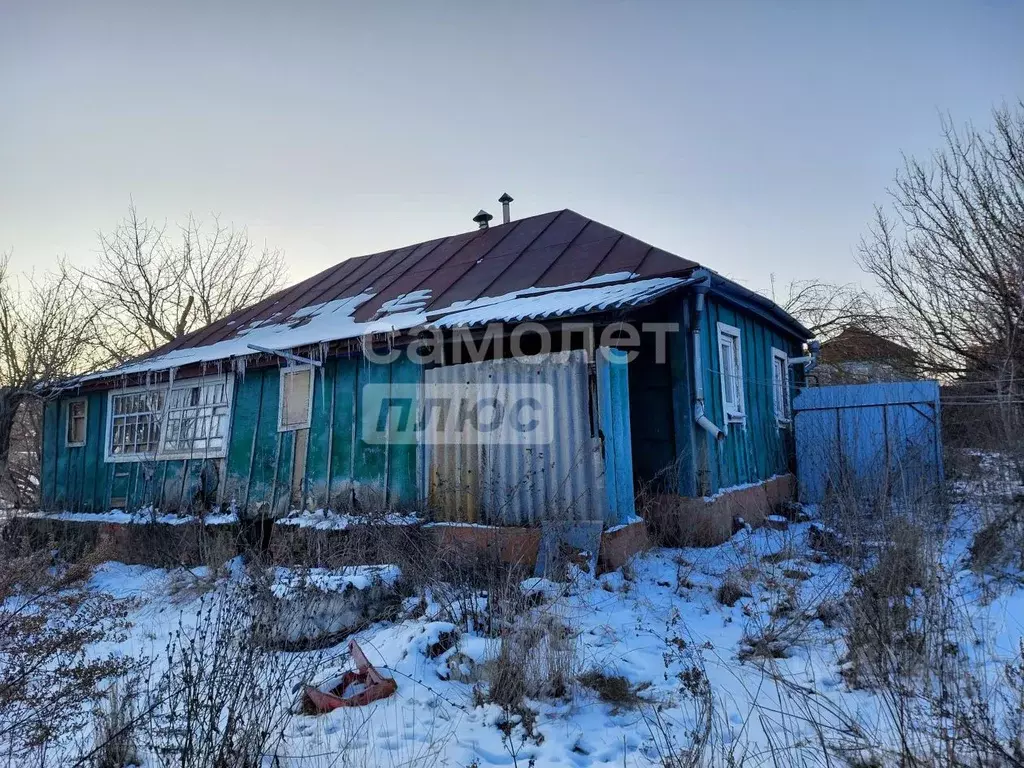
{"x": 547, "y": 250}
{"x": 860, "y": 344}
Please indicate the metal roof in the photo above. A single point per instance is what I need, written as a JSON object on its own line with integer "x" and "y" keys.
{"x": 547, "y": 250}
{"x": 550, "y": 265}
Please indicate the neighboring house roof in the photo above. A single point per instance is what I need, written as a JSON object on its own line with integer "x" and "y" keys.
{"x": 551, "y": 265}
{"x": 857, "y": 344}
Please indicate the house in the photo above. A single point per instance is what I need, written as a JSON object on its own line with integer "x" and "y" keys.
{"x": 860, "y": 356}
{"x": 661, "y": 377}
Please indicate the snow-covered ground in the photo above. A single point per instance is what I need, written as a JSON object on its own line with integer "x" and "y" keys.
{"x": 659, "y": 623}
{"x": 738, "y": 652}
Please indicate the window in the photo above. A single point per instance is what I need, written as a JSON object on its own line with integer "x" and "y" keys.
{"x": 197, "y": 419}
{"x": 135, "y": 423}
{"x": 730, "y": 359}
{"x": 780, "y": 385}
{"x": 296, "y": 398}
{"x": 187, "y": 419}
{"x": 78, "y": 411}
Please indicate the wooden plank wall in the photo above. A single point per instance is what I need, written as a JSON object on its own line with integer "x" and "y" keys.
{"x": 758, "y": 449}
{"x": 335, "y": 468}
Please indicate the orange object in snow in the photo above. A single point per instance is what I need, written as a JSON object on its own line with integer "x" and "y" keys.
{"x": 356, "y": 689}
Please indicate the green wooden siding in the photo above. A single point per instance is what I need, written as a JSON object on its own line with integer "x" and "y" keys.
{"x": 267, "y": 472}
{"x": 758, "y": 448}
{"x": 337, "y": 469}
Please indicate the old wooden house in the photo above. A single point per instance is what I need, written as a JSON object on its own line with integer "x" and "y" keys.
{"x": 666, "y": 379}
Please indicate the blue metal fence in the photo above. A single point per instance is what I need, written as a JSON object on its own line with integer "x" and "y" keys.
{"x": 868, "y": 440}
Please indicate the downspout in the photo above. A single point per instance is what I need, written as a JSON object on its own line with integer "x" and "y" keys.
{"x": 699, "y": 415}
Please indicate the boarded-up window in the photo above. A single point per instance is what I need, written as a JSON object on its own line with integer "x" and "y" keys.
{"x": 78, "y": 411}
{"x": 296, "y": 398}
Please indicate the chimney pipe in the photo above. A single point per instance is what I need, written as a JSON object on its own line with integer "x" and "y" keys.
{"x": 505, "y": 199}
{"x": 483, "y": 218}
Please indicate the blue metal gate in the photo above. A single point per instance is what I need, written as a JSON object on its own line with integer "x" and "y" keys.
{"x": 868, "y": 440}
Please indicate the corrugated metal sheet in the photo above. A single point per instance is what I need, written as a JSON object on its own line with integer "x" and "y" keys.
{"x": 496, "y": 484}
{"x": 869, "y": 440}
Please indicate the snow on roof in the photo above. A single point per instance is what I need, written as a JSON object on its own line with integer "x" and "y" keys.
{"x": 551, "y": 265}
{"x": 335, "y": 320}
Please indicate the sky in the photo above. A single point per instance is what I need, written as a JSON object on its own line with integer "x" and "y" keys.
{"x": 753, "y": 137}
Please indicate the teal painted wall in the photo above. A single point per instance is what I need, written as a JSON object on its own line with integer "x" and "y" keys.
{"x": 759, "y": 448}
{"x": 331, "y": 466}
{"x": 328, "y": 465}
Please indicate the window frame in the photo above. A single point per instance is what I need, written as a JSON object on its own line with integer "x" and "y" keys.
{"x": 229, "y": 382}
{"x": 735, "y": 337}
{"x": 68, "y": 442}
{"x": 160, "y": 454}
{"x": 281, "y": 426}
{"x": 786, "y": 417}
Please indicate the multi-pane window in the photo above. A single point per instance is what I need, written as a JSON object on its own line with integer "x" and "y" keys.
{"x": 135, "y": 422}
{"x": 77, "y": 419}
{"x": 296, "y": 398}
{"x": 188, "y": 419}
{"x": 780, "y": 385}
{"x": 730, "y": 358}
{"x": 197, "y": 418}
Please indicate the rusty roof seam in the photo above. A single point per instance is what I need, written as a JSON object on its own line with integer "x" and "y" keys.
{"x": 433, "y": 299}
{"x": 587, "y": 223}
{"x": 451, "y": 256}
{"x": 640, "y": 264}
{"x": 604, "y": 258}
{"x": 344, "y": 282}
{"x": 533, "y": 240}
{"x": 399, "y": 274}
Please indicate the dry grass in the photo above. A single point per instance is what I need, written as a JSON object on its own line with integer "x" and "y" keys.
{"x": 611, "y": 689}
{"x": 730, "y": 591}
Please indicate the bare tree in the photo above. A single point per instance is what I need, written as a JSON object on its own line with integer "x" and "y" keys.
{"x": 828, "y": 308}
{"x": 152, "y": 285}
{"x": 46, "y": 333}
{"x": 950, "y": 254}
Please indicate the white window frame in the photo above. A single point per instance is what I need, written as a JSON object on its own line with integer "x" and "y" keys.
{"x": 229, "y": 382}
{"x": 281, "y": 426}
{"x": 783, "y": 409}
{"x": 160, "y": 454}
{"x": 68, "y": 443}
{"x": 737, "y": 413}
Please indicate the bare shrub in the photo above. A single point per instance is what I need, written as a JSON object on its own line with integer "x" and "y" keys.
{"x": 888, "y": 604}
{"x": 219, "y": 704}
{"x": 537, "y": 658}
{"x": 998, "y": 545}
{"x": 116, "y": 730}
{"x": 48, "y": 618}
{"x": 690, "y": 740}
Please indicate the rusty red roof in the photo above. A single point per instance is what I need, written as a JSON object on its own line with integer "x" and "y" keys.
{"x": 544, "y": 251}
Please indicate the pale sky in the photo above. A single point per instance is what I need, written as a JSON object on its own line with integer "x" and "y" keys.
{"x": 753, "y": 137}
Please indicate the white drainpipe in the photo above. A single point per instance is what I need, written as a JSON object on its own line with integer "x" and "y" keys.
{"x": 699, "y": 414}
